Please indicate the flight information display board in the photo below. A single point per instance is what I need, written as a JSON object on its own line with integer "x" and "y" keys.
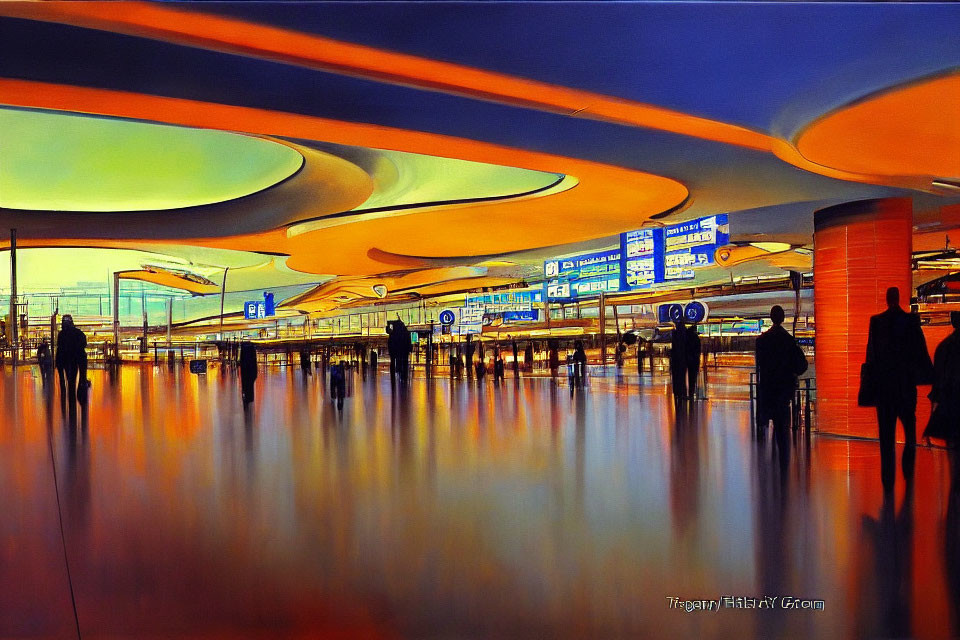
{"x": 642, "y": 252}
{"x": 588, "y": 274}
{"x": 690, "y": 245}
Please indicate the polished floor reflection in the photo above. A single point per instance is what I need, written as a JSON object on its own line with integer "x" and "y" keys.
{"x": 451, "y": 510}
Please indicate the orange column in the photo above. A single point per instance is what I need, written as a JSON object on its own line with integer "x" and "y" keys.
{"x": 860, "y": 249}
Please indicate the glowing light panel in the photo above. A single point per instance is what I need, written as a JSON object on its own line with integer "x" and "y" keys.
{"x": 67, "y": 162}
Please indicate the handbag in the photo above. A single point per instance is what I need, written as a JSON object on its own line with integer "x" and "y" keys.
{"x": 940, "y": 426}
{"x": 868, "y": 395}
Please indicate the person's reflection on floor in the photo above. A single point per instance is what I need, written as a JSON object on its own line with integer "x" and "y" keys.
{"x": 684, "y": 468}
{"x": 76, "y": 478}
{"x": 890, "y": 536}
{"x": 951, "y": 540}
{"x": 773, "y": 535}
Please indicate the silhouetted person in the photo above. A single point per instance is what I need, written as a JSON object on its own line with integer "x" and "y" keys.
{"x": 946, "y": 379}
{"x": 45, "y": 362}
{"x": 678, "y": 361}
{"x": 498, "y": 368}
{"x": 373, "y": 361}
{"x": 71, "y": 361}
{"x": 553, "y": 356}
{"x": 528, "y": 357}
{"x": 692, "y": 353}
{"x": 516, "y": 358}
{"x": 399, "y": 346}
{"x": 470, "y": 349}
{"x": 481, "y": 370}
{"x": 305, "y": 362}
{"x": 898, "y": 357}
{"x": 338, "y": 383}
{"x": 579, "y": 364}
{"x": 779, "y": 361}
{"x": 248, "y": 371}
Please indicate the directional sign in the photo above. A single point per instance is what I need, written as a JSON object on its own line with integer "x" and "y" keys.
{"x": 254, "y": 309}
{"x": 447, "y": 317}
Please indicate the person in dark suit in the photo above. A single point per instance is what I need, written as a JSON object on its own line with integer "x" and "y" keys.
{"x": 946, "y": 379}
{"x": 693, "y": 360}
{"x": 779, "y": 361}
{"x": 71, "y": 361}
{"x": 338, "y": 383}
{"x": 678, "y": 361}
{"x": 248, "y": 371}
{"x": 399, "y": 346}
{"x": 898, "y": 357}
{"x": 579, "y": 364}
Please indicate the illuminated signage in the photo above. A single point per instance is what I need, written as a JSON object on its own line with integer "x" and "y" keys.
{"x": 254, "y": 309}
{"x": 642, "y": 252}
{"x": 583, "y": 275}
{"x": 690, "y": 245}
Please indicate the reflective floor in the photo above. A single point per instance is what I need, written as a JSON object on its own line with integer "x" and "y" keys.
{"x": 451, "y": 511}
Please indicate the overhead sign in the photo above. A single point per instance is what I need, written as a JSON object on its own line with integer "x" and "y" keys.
{"x": 691, "y": 313}
{"x": 521, "y": 300}
{"x": 642, "y": 252}
{"x": 532, "y": 315}
{"x": 690, "y": 245}
{"x": 254, "y": 309}
{"x": 583, "y": 275}
{"x": 268, "y": 306}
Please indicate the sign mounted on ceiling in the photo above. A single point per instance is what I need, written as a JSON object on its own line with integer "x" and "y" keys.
{"x": 588, "y": 274}
{"x": 254, "y": 310}
{"x": 690, "y": 245}
{"x": 691, "y": 312}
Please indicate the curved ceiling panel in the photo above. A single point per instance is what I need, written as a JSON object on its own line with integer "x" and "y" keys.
{"x": 69, "y": 162}
{"x": 628, "y": 197}
{"x": 908, "y": 131}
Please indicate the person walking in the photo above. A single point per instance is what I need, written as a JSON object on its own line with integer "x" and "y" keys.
{"x": 579, "y": 364}
{"x": 399, "y": 346}
{"x": 305, "y": 361}
{"x": 248, "y": 371}
{"x": 44, "y": 362}
{"x": 71, "y": 363}
{"x": 692, "y": 353}
{"x": 779, "y": 360}
{"x": 945, "y": 395}
{"x": 498, "y": 368}
{"x": 898, "y": 361}
{"x": 678, "y": 361}
{"x": 338, "y": 383}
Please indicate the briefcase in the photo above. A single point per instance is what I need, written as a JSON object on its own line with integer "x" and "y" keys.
{"x": 868, "y": 396}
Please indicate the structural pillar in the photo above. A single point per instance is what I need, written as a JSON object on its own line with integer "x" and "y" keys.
{"x": 860, "y": 250}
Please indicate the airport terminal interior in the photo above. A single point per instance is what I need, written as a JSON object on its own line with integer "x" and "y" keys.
{"x": 457, "y": 320}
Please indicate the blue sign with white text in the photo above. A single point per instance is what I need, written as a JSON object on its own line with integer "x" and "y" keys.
{"x": 642, "y": 252}
{"x": 691, "y": 245}
{"x": 588, "y": 274}
{"x": 254, "y": 309}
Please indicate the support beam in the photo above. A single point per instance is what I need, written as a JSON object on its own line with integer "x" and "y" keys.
{"x": 14, "y": 316}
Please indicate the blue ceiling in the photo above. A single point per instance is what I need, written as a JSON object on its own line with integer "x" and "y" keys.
{"x": 743, "y": 63}
{"x": 771, "y": 67}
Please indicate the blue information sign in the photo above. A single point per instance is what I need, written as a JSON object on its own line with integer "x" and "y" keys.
{"x": 583, "y": 275}
{"x": 254, "y": 309}
{"x": 447, "y": 317}
{"x": 691, "y": 245}
{"x": 642, "y": 252}
{"x": 521, "y": 316}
